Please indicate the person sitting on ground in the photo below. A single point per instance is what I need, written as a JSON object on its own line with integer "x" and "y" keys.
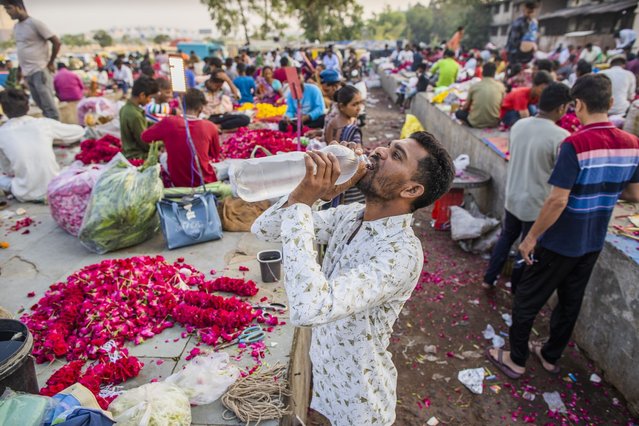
{"x": 132, "y": 119}
{"x": 595, "y": 167}
{"x": 219, "y": 106}
{"x": 122, "y": 76}
{"x": 330, "y": 60}
{"x": 183, "y": 171}
{"x": 372, "y": 263}
{"x": 280, "y": 73}
{"x": 68, "y": 85}
{"x": 519, "y": 103}
{"x": 27, "y": 160}
{"x": 417, "y": 84}
{"x": 533, "y": 144}
{"x": 624, "y": 85}
{"x": 448, "y": 68}
{"x": 269, "y": 89}
{"x": 163, "y": 103}
{"x": 313, "y": 109}
{"x": 245, "y": 84}
{"x": 230, "y": 67}
{"x": 483, "y": 104}
{"x": 592, "y": 54}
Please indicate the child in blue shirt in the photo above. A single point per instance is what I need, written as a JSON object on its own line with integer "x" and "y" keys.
{"x": 245, "y": 84}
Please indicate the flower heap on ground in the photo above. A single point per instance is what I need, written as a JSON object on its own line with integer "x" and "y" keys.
{"x": 104, "y": 305}
{"x": 264, "y": 111}
{"x": 99, "y": 151}
{"x": 242, "y": 143}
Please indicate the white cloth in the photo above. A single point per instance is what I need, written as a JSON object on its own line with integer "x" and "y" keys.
{"x": 592, "y": 55}
{"x": 626, "y": 38}
{"x": 405, "y": 56}
{"x": 564, "y": 55}
{"x": 331, "y": 62}
{"x": 32, "y": 44}
{"x": 125, "y": 74}
{"x": 624, "y": 84}
{"x": 26, "y": 153}
{"x": 394, "y": 55}
{"x": 352, "y": 301}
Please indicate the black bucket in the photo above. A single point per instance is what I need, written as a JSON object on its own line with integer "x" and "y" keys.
{"x": 17, "y": 367}
{"x": 270, "y": 265}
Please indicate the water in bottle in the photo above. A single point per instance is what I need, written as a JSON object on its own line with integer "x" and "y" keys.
{"x": 265, "y": 178}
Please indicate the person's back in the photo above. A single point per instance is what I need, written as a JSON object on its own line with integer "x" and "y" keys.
{"x": 26, "y": 148}
{"x": 448, "y": 69}
{"x": 624, "y": 84}
{"x": 486, "y": 96}
{"x": 245, "y": 84}
{"x": 68, "y": 85}
{"x": 182, "y": 169}
{"x": 534, "y": 144}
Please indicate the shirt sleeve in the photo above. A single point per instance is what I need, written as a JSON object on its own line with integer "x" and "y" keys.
{"x": 520, "y": 102}
{"x": 214, "y": 149}
{"x": 291, "y": 107}
{"x": 567, "y": 169}
{"x": 318, "y": 105}
{"x": 314, "y": 299}
{"x": 67, "y": 133}
{"x": 154, "y": 133}
{"x": 42, "y": 29}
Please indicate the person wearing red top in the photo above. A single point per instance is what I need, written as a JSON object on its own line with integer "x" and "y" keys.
{"x": 517, "y": 104}
{"x": 172, "y": 131}
{"x": 280, "y": 73}
{"x": 68, "y": 85}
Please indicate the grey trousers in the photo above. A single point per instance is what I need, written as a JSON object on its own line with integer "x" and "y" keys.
{"x": 41, "y": 88}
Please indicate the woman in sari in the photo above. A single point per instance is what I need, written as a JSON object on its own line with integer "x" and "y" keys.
{"x": 269, "y": 90}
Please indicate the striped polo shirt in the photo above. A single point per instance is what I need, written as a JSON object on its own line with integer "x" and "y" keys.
{"x": 595, "y": 163}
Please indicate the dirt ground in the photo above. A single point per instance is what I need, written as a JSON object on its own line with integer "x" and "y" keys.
{"x": 449, "y": 310}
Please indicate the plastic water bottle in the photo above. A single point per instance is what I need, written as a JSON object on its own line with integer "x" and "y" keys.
{"x": 266, "y": 178}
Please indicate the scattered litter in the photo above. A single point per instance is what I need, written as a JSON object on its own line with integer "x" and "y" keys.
{"x": 21, "y": 212}
{"x": 508, "y": 319}
{"x": 389, "y": 135}
{"x": 595, "y": 378}
{"x": 474, "y": 302}
{"x": 489, "y": 333}
{"x": 495, "y": 388}
{"x": 491, "y": 377}
{"x": 471, "y": 354}
{"x": 528, "y": 396}
{"x": 572, "y": 377}
{"x": 437, "y": 376}
{"x": 273, "y": 344}
{"x": 432, "y": 421}
{"x": 508, "y": 284}
{"x": 503, "y": 333}
{"x": 553, "y": 399}
{"x": 615, "y": 401}
{"x": 473, "y": 379}
{"x": 430, "y": 349}
{"x": 431, "y": 358}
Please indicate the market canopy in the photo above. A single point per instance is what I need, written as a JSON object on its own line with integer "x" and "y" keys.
{"x": 594, "y": 9}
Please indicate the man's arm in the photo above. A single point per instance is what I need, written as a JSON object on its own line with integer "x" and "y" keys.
{"x": 318, "y": 106}
{"x": 55, "y": 49}
{"x": 67, "y": 133}
{"x": 315, "y": 300}
{"x": 631, "y": 193}
{"x": 632, "y": 88}
{"x": 154, "y": 133}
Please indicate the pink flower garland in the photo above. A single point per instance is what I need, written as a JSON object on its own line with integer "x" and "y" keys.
{"x": 241, "y": 144}
{"x": 237, "y": 286}
{"x": 99, "y": 151}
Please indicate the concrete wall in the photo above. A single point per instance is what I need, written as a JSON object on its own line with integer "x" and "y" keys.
{"x": 608, "y": 326}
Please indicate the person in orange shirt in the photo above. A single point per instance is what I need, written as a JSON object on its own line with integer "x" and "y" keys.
{"x": 455, "y": 41}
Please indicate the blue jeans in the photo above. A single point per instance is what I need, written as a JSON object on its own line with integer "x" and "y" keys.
{"x": 513, "y": 229}
{"x": 512, "y": 116}
{"x": 43, "y": 94}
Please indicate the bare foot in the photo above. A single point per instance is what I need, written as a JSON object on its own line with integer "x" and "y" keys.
{"x": 536, "y": 349}
{"x": 494, "y": 352}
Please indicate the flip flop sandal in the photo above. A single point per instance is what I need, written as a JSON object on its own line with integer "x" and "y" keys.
{"x": 499, "y": 363}
{"x": 535, "y": 348}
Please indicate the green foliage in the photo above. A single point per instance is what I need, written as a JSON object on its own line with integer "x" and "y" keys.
{"x": 161, "y": 39}
{"x": 9, "y": 44}
{"x": 74, "y": 40}
{"x": 388, "y": 25}
{"x": 103, "y": 38}
{"x": 328, "y": 19}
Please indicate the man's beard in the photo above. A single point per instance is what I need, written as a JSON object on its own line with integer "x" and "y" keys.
{"x": 374, "y": 188}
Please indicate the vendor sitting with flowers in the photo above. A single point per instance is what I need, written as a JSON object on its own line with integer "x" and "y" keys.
{"x": 219, "y": 106}
{"x": 27, "y": 160}
{"x": 313, "y": 109}
{"x": 183, "y": 171}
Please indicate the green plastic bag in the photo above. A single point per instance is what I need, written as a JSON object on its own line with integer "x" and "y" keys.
{"x": 24, "y": 409}
{"x": 121, "y": 212}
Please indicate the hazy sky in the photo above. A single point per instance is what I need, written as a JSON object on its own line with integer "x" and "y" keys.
{"x": 75, "y": 16}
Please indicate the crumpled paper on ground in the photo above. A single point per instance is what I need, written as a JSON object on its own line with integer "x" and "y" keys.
{"x": 473, "y": 379}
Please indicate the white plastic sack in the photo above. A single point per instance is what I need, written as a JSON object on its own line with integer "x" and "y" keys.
{"x": 206, "y": 378}
{"x": 153, "y": 404}
{"x": 463, "y": 226}
{"x": 461, "y": 162}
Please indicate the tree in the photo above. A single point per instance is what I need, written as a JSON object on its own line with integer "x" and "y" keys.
{"x": 387, "y": 25}
{"x": 103, "y": 38}
{"x": 161, "y": 39}
{"x": 229, "y": 14}
{"x": 420, "y": 22}
{"x": 270, "y": 11}
{"x": 74, "y": 40}
{"x": 477, "y": 21}
{"x": 328, "y": 19}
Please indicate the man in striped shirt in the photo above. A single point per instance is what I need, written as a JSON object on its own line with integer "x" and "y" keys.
{"x": 596, "y": 166}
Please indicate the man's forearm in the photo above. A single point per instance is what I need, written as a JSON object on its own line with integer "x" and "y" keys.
{"x": 55, "y": 49}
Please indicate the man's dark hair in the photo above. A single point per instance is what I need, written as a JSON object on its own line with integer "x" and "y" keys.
{"x": 216, "y": 62}
{"x": 530, "y": 5}
{"x": 228, "y": 62}
{"x": 118, "y": 62}
{"x": 422, "y": 66}
{"x": 61, "y": 65}
{"x": 542, "y": 77}
{"x": 460, "y": 28}
{"x": 15, "y": 103}
{"x": 448, "y": 53}
{"x": 241, "y": 68}
{"x": 554, "y": 96}
{"x": 194, "y": 99}
{"x": 284, "y": 61}
{"x": 435, "y": 171}
{"x": 215, "y": 76}
{"x": 631, "y": 57}
{"x": 145, "y": 85}
{"x": 250, "y": 70}
{"x": 618, "y": 61}
{"x": 594, "y": 90}
{"x": 583, "y": 67}
{"x": 588, "y": 45}
{"x": 544, "y": 65}
{"x": 489, "y": 69}
{"x": 617, "y": 34}
{"x": 163, "y": 83}
{"x": 16, "y": 3}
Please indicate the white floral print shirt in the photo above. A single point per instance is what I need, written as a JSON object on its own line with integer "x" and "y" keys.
{"x": 352, "y": 301}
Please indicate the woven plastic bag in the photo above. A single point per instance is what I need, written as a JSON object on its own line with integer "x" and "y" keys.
{"x": 17, "y": 408}
{"x": 69, "y": 193}
{"x": 411, "y": 125}
{"x": 153, "y": 404}
{"x": 206, "y": 378}
{"x": 121, "y": 212}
